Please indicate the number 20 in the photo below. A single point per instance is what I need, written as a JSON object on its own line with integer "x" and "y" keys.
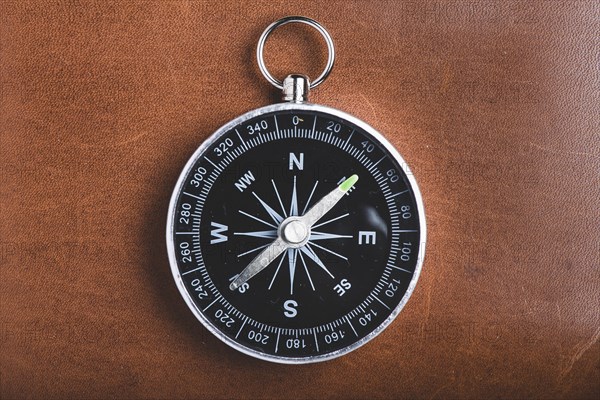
{"x": 334, "y": 127}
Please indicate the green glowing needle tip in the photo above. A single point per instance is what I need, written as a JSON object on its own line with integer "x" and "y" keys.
{"x": 348, "y": 183}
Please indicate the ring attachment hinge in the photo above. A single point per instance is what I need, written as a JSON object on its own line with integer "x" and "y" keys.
{"x": 296, "y": 88}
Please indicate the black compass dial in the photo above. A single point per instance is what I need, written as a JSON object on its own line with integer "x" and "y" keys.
{"x": 337, "y": 278}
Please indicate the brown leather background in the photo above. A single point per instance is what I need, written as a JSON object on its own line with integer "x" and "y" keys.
{"x": 494, "y": 105}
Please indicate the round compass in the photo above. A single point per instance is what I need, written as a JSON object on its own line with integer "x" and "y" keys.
{"x": 296, "y": 233}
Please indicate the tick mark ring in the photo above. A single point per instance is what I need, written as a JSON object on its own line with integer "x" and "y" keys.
{"x": 278, "y": 83}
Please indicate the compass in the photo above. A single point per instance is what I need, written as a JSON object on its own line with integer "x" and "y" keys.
{"x": 296, "y": 232}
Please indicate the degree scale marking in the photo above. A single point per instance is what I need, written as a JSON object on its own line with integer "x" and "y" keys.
{"x": 336, "y": 141}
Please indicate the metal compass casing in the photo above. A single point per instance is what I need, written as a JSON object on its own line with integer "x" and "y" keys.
{"x": 296, "y": 232}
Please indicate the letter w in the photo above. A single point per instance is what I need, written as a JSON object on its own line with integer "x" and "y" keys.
{"x": 217, "y": 235}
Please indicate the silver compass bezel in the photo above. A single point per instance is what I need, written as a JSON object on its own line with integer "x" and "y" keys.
{"x": 206, "y": 145}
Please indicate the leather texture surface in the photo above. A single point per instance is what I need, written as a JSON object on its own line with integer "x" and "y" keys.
{"x": 494, "y": 105}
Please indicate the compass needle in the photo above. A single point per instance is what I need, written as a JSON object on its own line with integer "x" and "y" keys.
{"x": 294, "y": 232}
{"x": 273, "y": 242}
{"x": 260, "y": 262}
{"x": 328, "y": 202}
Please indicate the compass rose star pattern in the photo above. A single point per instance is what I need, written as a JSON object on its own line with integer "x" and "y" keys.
{"x": 307, "y": 255}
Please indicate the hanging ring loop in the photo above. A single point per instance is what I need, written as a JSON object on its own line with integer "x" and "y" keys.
{"x": 304, "y": 20}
